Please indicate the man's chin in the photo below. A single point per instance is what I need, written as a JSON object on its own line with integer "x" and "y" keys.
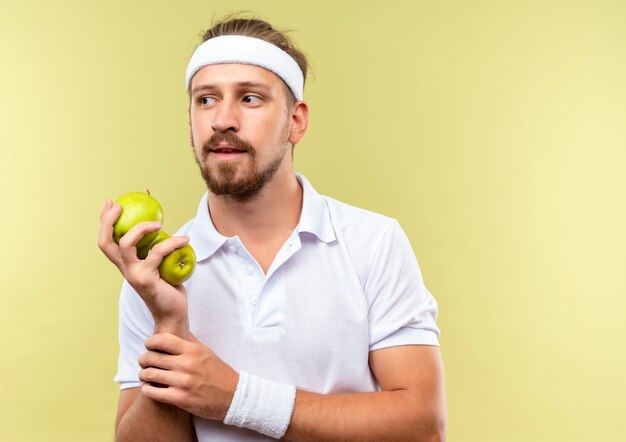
{"x": 238, "y": 188}
{"x": 239, "y": 181}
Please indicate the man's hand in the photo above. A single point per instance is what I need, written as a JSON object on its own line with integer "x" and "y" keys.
{"x": 194, "y": 378}
{"x": 167, "y": 304}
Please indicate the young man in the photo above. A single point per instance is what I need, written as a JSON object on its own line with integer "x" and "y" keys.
{"x": 305, "y": 318}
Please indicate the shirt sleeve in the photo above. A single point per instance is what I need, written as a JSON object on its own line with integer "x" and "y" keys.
{"x": 401, "y": 310}
{"x": 135, "y": 326}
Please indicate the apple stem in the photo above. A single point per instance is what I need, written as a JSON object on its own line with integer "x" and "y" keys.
{"x": 148, "y": 192}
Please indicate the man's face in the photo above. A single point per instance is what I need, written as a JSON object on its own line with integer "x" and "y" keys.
{"x": 240, "y": 126}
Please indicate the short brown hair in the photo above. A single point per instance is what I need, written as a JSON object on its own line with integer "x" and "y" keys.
{"x": 237, "y": 24}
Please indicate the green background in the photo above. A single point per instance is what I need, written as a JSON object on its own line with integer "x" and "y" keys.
{"x": 494, "y": 131}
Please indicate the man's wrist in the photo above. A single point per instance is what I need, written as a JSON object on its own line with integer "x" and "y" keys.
{"x": 261, "y": 405}
{"x": 174, "y": 326}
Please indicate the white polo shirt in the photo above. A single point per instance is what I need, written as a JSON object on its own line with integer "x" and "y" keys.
{"x": 346, "y": 282}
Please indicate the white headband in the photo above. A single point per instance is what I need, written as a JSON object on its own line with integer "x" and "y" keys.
{"x": 247, "y": 50}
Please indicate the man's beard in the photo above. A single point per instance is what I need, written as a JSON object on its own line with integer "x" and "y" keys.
{"x": 221, "y": 178}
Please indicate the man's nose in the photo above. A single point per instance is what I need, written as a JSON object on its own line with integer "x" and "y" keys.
{"x": 226, "y": 118}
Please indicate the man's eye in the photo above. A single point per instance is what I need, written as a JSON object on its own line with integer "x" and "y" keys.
{"x": 205, "y": 101}
{"x": 251, "y": 99}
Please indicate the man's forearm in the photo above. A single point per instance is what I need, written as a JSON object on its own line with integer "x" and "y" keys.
{"x": 147, "y": 420}
{"x": 380, "y": 416}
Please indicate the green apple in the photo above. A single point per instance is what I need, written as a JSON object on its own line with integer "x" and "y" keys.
{"x": 176, "y": 267}
{"x": 137, "y": 207}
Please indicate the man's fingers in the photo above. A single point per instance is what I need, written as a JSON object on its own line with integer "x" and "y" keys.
{"x": 166, "y": 342}
{"x": 139, "y": 230}
{"x": 156, "y": 375}
{"x": 169, "y": 378}
{"x": 133, "y": 236}
{"x": 157, "y": 359}
{"x": 107, "y": 205}
{"x": 109, "y": 214}
{"x": 167, "y": 395}
{"x": 164, "y": 248}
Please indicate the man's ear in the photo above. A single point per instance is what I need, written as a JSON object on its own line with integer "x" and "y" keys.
{"x": 299, "y": 122}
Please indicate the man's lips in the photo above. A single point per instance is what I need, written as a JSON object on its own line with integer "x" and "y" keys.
{"x": 227, "y": 149}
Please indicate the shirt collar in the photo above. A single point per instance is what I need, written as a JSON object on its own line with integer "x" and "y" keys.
{"x": 314, "y": 218}
{"x": 203, "y": 236}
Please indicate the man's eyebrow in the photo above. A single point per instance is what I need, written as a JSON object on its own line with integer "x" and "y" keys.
{"x": 238, "y": 85}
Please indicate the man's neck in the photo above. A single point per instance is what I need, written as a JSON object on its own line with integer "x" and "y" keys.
{"x": 273, "y": 213}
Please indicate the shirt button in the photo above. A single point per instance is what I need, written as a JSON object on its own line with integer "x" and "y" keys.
{"x": 254, "y": 299}
{"x": 249, "y": 270}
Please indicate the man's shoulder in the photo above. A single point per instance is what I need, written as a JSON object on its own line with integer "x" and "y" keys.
{"x": 344, "y": 215}
{"x": 363, "y": 234}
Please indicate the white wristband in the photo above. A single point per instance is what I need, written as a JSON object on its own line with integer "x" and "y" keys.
{"x": 261, "y": 405}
